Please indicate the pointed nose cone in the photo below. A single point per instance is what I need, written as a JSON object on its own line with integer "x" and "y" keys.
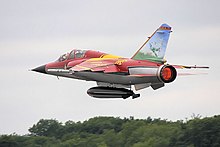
{"x": 40, "y": 69}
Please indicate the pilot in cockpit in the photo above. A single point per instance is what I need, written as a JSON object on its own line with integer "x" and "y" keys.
{"x": 72, "y": 55}
{"x": 63, "y": 57}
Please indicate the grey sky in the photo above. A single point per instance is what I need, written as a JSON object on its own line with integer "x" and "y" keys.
{"x": 33, "y": 33}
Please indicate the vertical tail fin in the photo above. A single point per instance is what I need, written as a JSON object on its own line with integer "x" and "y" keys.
{"x": 155, "y": 47}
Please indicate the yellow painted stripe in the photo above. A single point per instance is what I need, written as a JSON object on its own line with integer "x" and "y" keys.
{"x": 110, "y": 56}
{"x": 95, "y": 59}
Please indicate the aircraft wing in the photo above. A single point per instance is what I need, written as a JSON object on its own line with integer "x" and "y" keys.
{"x": 96, "y": 65}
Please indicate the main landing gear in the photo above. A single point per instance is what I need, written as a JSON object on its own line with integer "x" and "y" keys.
{"x": 134, "y": 96}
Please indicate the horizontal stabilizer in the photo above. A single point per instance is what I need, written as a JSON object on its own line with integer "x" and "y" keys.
{"x": 190, "y": 74}
{"x": 182, "y": 73}
{"x": 189, "y": 67}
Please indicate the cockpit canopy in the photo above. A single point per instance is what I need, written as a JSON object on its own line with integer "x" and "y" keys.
{"x": 74, "y": 54}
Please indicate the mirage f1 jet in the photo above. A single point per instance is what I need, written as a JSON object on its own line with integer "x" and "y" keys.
{"x": 116, "y": 76}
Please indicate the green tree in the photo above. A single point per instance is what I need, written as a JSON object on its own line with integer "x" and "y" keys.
{"x": 127, "y": 132}
{"x": 48, "y": 128}
{"x": 201, "y": 132}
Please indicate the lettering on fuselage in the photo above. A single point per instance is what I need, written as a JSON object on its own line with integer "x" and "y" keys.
{"x": 120, "y": 61}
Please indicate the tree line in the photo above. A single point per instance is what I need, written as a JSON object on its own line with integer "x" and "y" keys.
{"x": 119, "y": 132}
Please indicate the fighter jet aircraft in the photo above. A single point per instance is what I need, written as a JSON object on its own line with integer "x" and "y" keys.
{"x": 118, "y": 77}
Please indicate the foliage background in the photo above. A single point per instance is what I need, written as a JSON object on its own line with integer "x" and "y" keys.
{"x": 117, "y": 132}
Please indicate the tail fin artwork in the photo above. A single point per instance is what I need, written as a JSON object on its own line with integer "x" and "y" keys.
{"x": 155, "y": 47}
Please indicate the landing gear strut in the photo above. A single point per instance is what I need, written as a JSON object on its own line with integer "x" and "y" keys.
{"x": 134, "y": 96}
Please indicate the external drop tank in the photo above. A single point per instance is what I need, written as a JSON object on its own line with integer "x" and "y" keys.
{"x": 111, "y": 92}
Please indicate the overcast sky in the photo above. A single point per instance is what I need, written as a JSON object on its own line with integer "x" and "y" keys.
{"x": 34, "y": 32}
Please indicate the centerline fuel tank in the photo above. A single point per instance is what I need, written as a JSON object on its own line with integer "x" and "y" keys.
{"x": 109, "y": 92}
